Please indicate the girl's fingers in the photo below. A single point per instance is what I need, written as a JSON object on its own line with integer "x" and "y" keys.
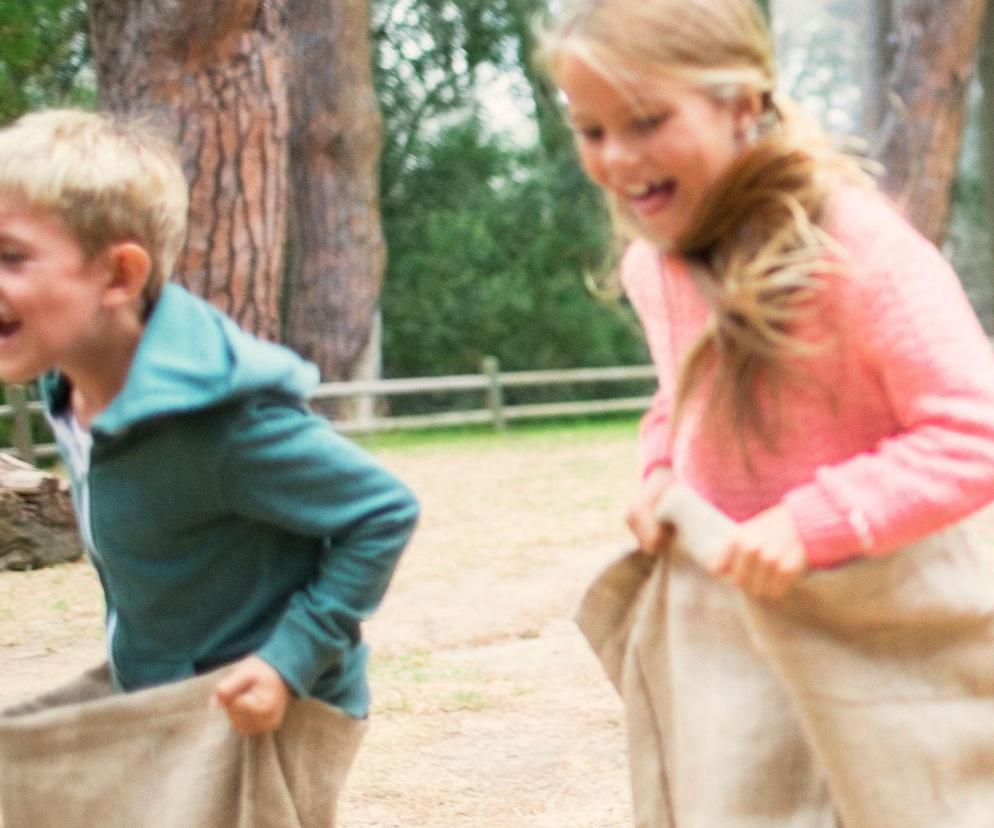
{"x": 646, "y": 529}
{"x": 722, "y": 565}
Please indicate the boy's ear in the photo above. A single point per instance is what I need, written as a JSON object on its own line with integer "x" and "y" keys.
{"x": 129, "y": 267}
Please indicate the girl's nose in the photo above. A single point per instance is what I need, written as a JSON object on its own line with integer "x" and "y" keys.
{"x": 619, "y": 154}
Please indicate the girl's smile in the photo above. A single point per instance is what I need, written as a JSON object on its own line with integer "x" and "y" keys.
{"x": 656, "y": 145}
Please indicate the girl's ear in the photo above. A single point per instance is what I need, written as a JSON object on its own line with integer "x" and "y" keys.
{"x": 747, "y": 109}
{"x": 128, "y": 269}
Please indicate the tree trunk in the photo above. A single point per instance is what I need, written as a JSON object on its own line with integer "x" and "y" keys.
{"x": 987, "y": 128}
{"x": 919, "y": 139}
{"x": 212, "y": 73}
{"x": 554, "y": 135}
{"x": 337, "y": 253}
{"x": 877, "y": 61}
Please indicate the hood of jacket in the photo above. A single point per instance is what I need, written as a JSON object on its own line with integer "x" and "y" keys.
{"x": 191, "y": 356}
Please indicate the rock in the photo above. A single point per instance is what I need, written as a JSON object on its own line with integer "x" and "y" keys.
{"x": 37, "y": 522}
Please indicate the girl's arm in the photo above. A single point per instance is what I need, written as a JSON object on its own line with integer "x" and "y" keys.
{"x": 922, "y": 341}
{"x": 652, "y": 536}
{"x": 641, "y": 276}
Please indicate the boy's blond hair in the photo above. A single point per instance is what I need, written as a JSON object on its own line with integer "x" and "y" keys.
{"x": 109, "y": 179}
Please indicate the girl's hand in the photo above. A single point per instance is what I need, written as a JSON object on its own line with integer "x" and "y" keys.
{"x": 765, "y": 555}
{"x": 652, "y": 536}
{"x": 254, "y": 695}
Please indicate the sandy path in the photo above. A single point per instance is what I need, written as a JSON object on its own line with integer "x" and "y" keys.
{"x": 489, "y": 710}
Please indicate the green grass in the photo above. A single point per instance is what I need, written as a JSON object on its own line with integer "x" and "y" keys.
{"x": 556, "y": 429}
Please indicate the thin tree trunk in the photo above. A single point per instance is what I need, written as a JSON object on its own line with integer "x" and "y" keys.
{"x": 987, "y": 130}
{"x": 877, "y": 59}
{"x": 212, "y": 73}
{"x": 921, "y": 132}
{"x": 337, "y": 253}
{"x": 553, "y": 133}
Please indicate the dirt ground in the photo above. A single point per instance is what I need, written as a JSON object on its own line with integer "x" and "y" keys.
{"x": 489, "y": 710}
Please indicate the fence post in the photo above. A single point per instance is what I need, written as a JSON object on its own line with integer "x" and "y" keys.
{"x": 17, "y": 397}
{"x": 495, "y": 393}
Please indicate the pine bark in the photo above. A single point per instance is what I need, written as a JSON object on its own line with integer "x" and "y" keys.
{"x": 212, "y": 74}
{"x": 337, "y": 252}
{"x": 921, "y": 130}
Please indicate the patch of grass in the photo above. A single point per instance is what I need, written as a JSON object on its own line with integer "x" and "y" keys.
{"x": 468, "y": 700}
{"x": 418, "y": 681}
{"x": 556, "y": 429}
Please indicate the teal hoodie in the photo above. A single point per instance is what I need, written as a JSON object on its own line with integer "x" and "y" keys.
{"x": 228, "y": 519}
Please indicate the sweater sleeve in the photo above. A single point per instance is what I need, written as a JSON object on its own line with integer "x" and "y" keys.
{"x": 921, "y": 340}
{"x": 288, "y": 468}
{"x": 642, "y": 281}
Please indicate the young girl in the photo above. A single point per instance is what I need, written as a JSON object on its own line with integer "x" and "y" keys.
{"x": 823, "y": 382}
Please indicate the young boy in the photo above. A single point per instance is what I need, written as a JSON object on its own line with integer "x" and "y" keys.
{"x": 228, "y": 523}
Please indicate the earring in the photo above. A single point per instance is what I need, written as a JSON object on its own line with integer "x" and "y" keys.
{"x": 750, "y": 133}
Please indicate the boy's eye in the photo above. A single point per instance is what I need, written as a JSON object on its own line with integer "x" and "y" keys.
{"x": 647, "y": 123}
{"x": 11, "y": 257}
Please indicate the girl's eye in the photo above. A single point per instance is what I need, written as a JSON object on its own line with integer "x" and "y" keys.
{"x": 590, "y": 133}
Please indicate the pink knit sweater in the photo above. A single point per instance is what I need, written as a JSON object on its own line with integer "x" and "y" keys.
{"x": 891, "y": 434}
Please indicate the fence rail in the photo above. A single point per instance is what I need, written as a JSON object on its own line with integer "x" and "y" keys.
{"x": 491, "y": 383}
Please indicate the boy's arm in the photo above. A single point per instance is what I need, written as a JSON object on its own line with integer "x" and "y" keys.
{"x": 287, "y": 467}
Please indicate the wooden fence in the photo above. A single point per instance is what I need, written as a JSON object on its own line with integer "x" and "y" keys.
{"x": 491, "y": 383}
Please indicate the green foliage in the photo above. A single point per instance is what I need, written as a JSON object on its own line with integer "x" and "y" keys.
{"x": 45, "y": 50}
{"x": 488, "y": 245}
{"x": 487, "y": 242}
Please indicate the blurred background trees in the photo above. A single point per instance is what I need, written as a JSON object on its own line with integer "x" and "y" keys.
{"x": 490, "y": 227}
{"x": 44, "y": 56}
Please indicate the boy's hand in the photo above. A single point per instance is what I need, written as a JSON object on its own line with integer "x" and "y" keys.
{"x": 652, "y": 536}
{"x": 765, "y": 555}
{"x": 254, "y": 695}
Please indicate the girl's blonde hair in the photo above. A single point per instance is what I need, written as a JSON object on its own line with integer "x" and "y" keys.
{"x": 110, "y": 181}
{"x": 756, "y": 237}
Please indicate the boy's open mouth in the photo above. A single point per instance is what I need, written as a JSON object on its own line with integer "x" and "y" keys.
{"x": 8, "y": 326}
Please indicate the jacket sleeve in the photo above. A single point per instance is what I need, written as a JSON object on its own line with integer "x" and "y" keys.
{"x": 923, "y": 343}
{"x": 288, "y": 468}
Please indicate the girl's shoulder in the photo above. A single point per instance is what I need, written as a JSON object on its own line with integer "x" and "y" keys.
{"x": 643, "y": 266}
{"x": 872, "y": 232}
{"x": 886, "y": 263}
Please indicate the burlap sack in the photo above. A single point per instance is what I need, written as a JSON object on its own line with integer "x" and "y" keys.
{"x": 864, "y": 699}
{"x": 84, "y": 756}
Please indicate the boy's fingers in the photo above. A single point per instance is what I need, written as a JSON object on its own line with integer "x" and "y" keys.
{"x": 251, "y": 715}
{"x": 250, "y": 704}
{"x": 232, "y": 686}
